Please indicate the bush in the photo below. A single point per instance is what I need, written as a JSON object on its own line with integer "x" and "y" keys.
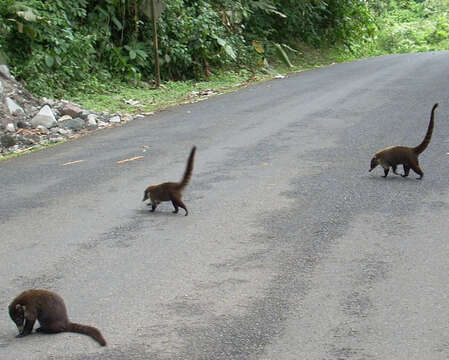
{"x": 85, "y": 43}
{"x": 410, "y": 26}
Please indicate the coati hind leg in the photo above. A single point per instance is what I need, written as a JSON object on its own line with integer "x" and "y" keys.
{"x": 417, "y": 170}
{"x": 177, "y": 203}
{"x": 406, "y": 170}
{"x": 54, "y": 329}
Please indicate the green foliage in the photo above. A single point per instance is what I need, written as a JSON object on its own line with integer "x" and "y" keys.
{"x": 41, "y": 44}
{"x": 411, "y": 26}
{"x": 193, "y": 39}
{"x": 61, "y": 46}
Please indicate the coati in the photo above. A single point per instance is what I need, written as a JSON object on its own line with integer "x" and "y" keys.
{"x": 49, "y": 308}
{"x": 171, "y": 191}
{"x": 407, "y": 156}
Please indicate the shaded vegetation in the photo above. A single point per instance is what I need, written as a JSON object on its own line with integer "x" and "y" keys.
{"x": 65, "y": 48}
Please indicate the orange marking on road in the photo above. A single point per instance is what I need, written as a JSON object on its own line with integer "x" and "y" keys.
{"x": 130, "y": 159}
{"x": 72, "y": 162}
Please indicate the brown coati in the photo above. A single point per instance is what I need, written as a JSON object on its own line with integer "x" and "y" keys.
{"x": 407, "y": 156}
{"x": 49, "y": 309}
{"x": 171, "y": 191}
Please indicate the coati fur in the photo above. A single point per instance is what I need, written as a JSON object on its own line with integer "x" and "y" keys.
{"x": 49, "y": 309}
{"x": 407, "y": 156}
{"x": 171, "y": 191}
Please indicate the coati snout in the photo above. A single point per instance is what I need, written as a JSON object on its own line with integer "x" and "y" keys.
{"x": 374, "y": 163}
{"x": 18, "y": 317}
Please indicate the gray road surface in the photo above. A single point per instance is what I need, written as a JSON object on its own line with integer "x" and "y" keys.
{"x": 292, "y": 250}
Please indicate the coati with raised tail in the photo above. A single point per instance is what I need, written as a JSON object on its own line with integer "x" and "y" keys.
{"x": 407, "y": 156}
{"x": 171, "y": 191}
{"x": 49, "y": 309}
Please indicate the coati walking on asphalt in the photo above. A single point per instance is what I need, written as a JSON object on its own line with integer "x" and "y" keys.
{"x": 171, "y": 191}
{"x": 49, "y": 308}
{"x": 407, "y": 156}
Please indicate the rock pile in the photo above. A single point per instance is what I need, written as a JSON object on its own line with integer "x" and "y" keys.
{"x": 27, "y": 122}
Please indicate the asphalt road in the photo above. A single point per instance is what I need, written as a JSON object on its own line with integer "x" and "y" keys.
{"x": 291, "y": 250}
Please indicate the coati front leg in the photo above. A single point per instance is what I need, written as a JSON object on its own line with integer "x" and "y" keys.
{"x": 418, "y": 170}
{"x": 153, "y": 204}
{"x": 394, "y": 167}
{"x": 28, "y": 328}
{"x": 386, "y": 170}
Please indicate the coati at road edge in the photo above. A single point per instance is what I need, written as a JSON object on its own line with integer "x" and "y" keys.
{"x": 171, "y": 191}
{"x": 407, "y": 156}
{"x": 49, "y": 308}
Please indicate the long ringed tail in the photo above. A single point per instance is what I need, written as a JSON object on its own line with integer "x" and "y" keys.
{"x": 87, "y": 330}
{"x": 421, "y": 147}
{"x": 188, "y": 171}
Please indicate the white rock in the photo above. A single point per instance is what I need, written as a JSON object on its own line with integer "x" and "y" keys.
{"x": 65, "y": 118}
{"x": 44, "y": 118}
{"x": 48, "y": 101}
{"x": 92, "y": 120}
{"x": 10, "y": 127}
{"x": 1, "y": 89}
{"x": 102, "y": 124}
{"x": 13, "y": 108}
{"x": 56, "y": 139}
{"x": 42, "y": 129}
{"x": 5, "y": 71}
{"x": 63, "y": 131}
{"x": 114, "y": 119}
